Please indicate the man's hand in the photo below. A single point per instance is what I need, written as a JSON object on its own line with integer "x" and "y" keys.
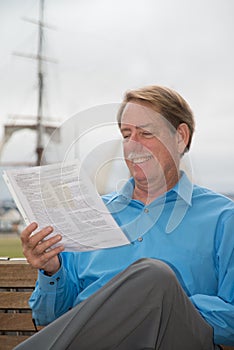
{"x": 38, "y": 252}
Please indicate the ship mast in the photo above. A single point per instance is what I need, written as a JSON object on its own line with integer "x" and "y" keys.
{"x": 39, "y": 125}
{"x": 40, "y": 145}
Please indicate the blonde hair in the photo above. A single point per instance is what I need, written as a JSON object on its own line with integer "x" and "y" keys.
{"x": 165, "y": 101}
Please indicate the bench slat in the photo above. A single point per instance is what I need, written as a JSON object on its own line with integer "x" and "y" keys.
{"x": 16, "y": 275}
{"x": 15, "y": 322}
{"x": 9, "y": 342}
{"x": 14, "y": 300}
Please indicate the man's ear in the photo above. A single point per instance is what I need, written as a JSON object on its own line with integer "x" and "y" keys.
{"x": 183, "y": 134}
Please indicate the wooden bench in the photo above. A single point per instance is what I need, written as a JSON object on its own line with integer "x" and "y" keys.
{"x": 17, "y": 281}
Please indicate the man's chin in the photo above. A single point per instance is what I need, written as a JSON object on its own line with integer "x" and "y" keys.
{"x": 139, "y": 175}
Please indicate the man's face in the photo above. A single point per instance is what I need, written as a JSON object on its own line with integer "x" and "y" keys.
{"x": 150, "y": 143}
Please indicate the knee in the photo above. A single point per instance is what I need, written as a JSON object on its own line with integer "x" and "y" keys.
{"x": 156, "y": 271}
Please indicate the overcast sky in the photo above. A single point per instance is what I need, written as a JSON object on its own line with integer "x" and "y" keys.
{"x": 104, "y": 47}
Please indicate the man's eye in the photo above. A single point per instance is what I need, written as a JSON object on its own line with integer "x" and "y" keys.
{"x": 126, "y": 136}
{"x": 147, "y": 134}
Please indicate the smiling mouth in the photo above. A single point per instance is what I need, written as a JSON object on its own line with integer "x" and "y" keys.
{"x": 138, "y": 159}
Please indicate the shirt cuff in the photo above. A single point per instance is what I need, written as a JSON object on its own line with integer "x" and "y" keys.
{"x": 51, "y": 283}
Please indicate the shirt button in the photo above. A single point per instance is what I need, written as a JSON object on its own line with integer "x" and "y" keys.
{"x": 140, "y": 239}
{"x": 51, "y": 283}
{"x": 146, "y": 210}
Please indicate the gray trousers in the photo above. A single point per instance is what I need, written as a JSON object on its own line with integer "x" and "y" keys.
{"x": 143, "y": 307}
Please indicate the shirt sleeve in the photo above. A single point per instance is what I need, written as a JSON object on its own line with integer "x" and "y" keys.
{"x": 53, "y": 295}
{"x": 218, "y": 310}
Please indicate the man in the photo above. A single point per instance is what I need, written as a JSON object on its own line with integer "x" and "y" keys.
{"x": 172, "y": 287}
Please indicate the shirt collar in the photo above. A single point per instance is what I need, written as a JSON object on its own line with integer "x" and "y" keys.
{"x": 183, "y": 188}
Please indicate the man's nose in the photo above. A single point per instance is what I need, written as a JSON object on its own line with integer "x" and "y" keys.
{"x": 134, "y": 144}
{"x": 134, "y": 137}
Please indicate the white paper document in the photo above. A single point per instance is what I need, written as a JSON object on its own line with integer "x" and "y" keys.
{"x": 61, "y": 195}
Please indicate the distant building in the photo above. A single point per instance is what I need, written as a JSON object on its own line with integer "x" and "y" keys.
{"x": 10, "y": 218}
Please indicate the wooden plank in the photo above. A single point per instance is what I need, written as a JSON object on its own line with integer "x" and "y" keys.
{"x": 14, "y": 300}
{"x": 17, "y": 275}
{"x": 9, "y": 342}
{"x": 15, "y": 322}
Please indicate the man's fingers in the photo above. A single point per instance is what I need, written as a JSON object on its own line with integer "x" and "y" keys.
{"x": 28, "y": 231}
{"x": 31, "y": 241}
{"x": 39, "y": 249}
{"x": 36, "y": 239}
{"x": 46, "y": 244}
{"x": 48, "y": 255}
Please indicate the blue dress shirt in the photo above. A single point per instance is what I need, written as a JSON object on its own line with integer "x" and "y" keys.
{"x": 189, "y": 227}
